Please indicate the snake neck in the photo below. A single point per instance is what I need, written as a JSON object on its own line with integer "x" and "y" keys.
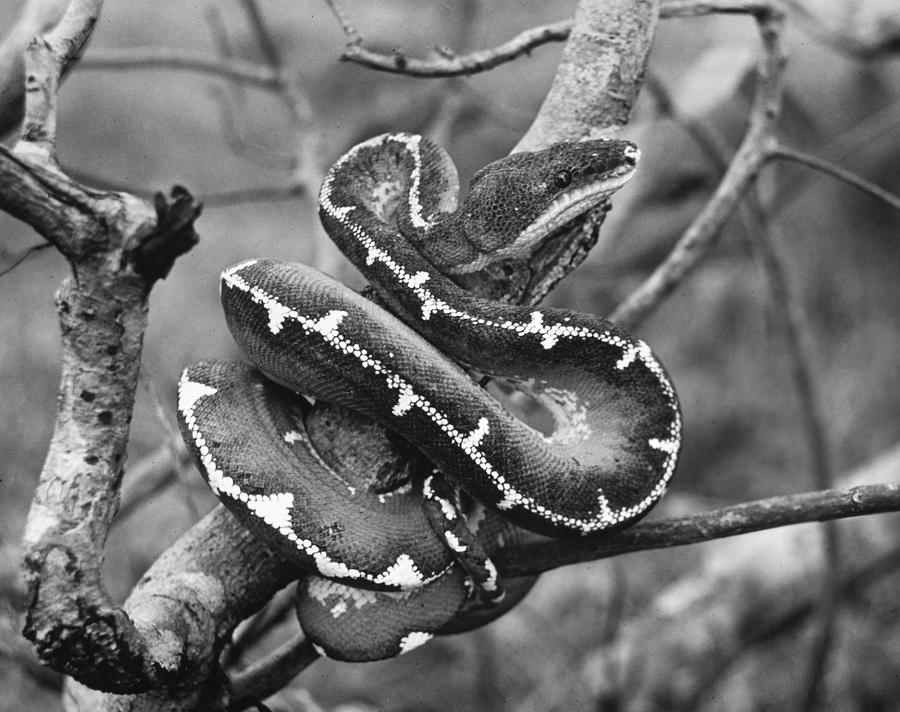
{"x": 512, "y": 206}
{"x": 403, "y": 188}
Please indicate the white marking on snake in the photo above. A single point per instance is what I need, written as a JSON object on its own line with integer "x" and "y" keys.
{"x": 670, "y": 445}
{"x": 473, "y": 439}
{"x": 490, "y": 584}
{"x": 328, "y": 324}
{"x": 273, "y": 509}
{"x": 277, "y": 314}
{"x": 321, "y": 590}
{"x": 414, "y": 640}
{"x": 453, "y": 542}
{"x": 447, "y": 508}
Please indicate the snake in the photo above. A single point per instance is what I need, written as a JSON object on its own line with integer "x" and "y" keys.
{"x": 390, "y": 560}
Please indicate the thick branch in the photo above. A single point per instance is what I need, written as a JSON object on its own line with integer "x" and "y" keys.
{"x": 606, "y": 56}
{"x": 36, "y": 17}
{"x": 118, "y": 246}
{"x": 47, "y": 57}
{"x": 118, "y": 249}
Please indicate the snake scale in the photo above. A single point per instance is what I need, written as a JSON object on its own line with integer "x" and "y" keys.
{"x": 393, "y": 562}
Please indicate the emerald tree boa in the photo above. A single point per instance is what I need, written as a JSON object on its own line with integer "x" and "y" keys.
{"x": 391, "y": 561}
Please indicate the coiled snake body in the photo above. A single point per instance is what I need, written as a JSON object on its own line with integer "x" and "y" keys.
{"x": 387, "y": 203}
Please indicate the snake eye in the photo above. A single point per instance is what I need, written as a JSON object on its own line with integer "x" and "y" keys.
{"x": 562, "y": 179}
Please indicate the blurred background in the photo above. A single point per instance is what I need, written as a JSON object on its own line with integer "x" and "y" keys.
{"x": 720, "y": 335}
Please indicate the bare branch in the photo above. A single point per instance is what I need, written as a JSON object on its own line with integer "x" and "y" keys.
{"x": 606, "y": 55}
{"x": 698, "y": 239}
{"x": 802, "y": 355}
{"x": 35, "y": 18}
{"x": 154, "y": 58}
{"x": 849, "y": 177}
{"x": 531, "y": 559}
{"x": 46, "y": 58}
{"x": 454, "y": 66}
{"x": 274, "y": 671}
{"x": 34, "y": 249}
{"x": 118, "y": 247}
{"x": 349, "y": 30}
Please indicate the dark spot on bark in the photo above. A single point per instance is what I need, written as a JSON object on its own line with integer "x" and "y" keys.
{"x": 88, "y": 315}
{"x": 113, "y": 367}
{"x": 105, "y": 417}
{"x": 64, "y": 306}
{"x": 112, "y": 350}
{"x": 117, "y": 458}
{"x": 400, "y": 60}
{"x": 91, "y": 459}
{"x": 88, "y": 396}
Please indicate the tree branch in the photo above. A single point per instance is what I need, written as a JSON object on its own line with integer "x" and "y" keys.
{"x": 35, "y": 18}
{"x": 447, "y": 64}
{"x": 151, "y": 58}
{"x": 118, "y": 247}
{"x": 829, "y": 168}
{"x": 532, "y": 559}
{"x": 457, "y": 65}
{"x": 701, "y": 235}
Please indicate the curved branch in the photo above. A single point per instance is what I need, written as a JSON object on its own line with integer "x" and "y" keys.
{"x": 454, "y": 66}
{"x": 780, "y": 152}
{"x": 274, "y": 671}
{"x": 118, "y": 247}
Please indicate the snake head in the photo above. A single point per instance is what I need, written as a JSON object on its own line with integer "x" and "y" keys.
{"x": 515, "y": 202}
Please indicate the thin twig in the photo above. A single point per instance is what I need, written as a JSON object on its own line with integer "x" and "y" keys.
{"x": 235, "y": 95}
{"x": 802, "y": 357}
{"x": 454, "y": 65}
{"x": 262, "y": 678}
{"x": 34, "y": 249}
{"x": 172, "y": 440}
{"x": 150, "y": 58}
{"x": 849, "y": 177}
{"x": 701, "y": 235}
{"x": 308, "y": 173}
{"x": 266, "y": 194}
{"x": 839, "y": 38}
{"x": 252, "y": 629}
{"x": 352, "y": 35}
{"x": 151, "y": 475}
